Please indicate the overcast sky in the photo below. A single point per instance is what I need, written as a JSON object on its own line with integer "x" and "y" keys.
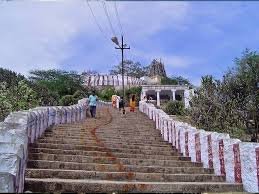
{"x": 191, "y": 38}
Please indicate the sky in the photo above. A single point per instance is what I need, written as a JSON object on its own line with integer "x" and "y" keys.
{"x": 191, "y": 38}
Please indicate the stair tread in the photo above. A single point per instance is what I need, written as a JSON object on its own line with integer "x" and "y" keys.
{"x": 115, "y": 172}
{"x": 125, "y": 182}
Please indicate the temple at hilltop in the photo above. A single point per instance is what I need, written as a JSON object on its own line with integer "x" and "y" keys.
{"x": 151, "y": 84}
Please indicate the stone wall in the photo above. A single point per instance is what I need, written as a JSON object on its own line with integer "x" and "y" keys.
{"x": 24, "y": 127}
{"x": 111, "y": 80}
{"x": 237, "y": 161}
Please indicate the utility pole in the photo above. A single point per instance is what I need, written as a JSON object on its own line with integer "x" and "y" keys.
{"x": 122, "y": 47}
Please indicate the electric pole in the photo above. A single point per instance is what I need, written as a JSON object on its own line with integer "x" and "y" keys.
{"x": 122, "y": 47}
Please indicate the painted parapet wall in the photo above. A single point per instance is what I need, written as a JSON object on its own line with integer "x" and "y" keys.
{"x": 237, "y": 161}
{"x": 24, "y": 127}
{"x": 111, "y": 80}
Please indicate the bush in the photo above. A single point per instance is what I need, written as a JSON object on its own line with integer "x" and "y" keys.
{"x": 79, "y": 94}
{"x": 67, "y": 100}
{"x": 106, "y": 93}
{"x": 174, "y": 108}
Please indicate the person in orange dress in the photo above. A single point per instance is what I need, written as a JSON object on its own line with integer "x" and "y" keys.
{"x": 132, "y": 103}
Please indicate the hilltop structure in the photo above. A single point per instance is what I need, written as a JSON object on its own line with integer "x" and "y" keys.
{"x": 157, "y": 69}
{"x": 151, "y": 85}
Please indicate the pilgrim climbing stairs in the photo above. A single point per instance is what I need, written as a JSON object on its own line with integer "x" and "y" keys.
{"x": 114, "y": 153}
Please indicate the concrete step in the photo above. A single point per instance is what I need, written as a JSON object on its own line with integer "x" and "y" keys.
{"x": 118, "y": 167}
{"x": 133, "y": 141}
{"x": 88, "y": 186}
{"x": 69, "y": 141}
{"x": 136, "y": 176}
{"x": 97, "y": 153}
{"x": 104, "y": 132}
{"x": 136, "y": 137}
{"x": 122, "y": 138}
{"x": 143, "y": 131}
{"x": 92, "y": 140}
{"x": 108, "y": 160}
{"x": 97, "y": 148}
{"x": 113, "y": 145}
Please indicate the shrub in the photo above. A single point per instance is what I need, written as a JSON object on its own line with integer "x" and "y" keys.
{"x": 106, "y": 93}
{"x": 79, "y": 94}
{"x": 67, "y": 100}
{"x": 174, "y": 108}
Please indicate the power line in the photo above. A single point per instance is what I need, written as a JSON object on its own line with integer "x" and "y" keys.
{"x": 118, "y": 18}
{"x": 95, "y": 20}
{"x": 99, "y": 26}
{"x": 108, "y": 17}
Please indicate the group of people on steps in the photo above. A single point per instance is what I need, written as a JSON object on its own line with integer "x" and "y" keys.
{"x": 93, "y": 98}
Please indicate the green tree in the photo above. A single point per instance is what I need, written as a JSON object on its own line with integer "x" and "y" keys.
{"x": 174, "y": 108}
{"x": 133, "y": 69}
{"x": 168, "y": 81}
{"x": 5, "y": 105}
{"x": 230, "y": 105}
{"x": 205, "y": 104}
{"x": 20, "y": 97}
{"x": 67, "y": 100}
{"x": 106, "y": 93}
{"x": 175, "y": 80}
{"x": 10, "y": 78}
{"x": 23, "y": 97}
{"x": 58, "y": 83}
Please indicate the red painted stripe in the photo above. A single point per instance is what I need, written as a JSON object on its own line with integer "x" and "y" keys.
{"x": 179, "y": 146}
{"x": 174, "y": 135}
{"x": 210, "y": 155}
{"x": 198, "y": 147}
{"x": 186, "y": 143}
{"x": 157, "y": 121}
{"x": 221, "y": 158}
{"x": 168, "y": 131}
{"x": 237, "y": 163}
{"x": 257, "y": 164}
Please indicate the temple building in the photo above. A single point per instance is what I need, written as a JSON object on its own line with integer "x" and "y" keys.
{"x": 151, "y": 85}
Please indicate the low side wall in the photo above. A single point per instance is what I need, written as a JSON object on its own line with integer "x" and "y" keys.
{"x": 237, "y": 161}
{"x": 24, "y": 127}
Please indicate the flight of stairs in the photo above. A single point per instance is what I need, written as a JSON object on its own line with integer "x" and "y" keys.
{"x": 114, "y": 153}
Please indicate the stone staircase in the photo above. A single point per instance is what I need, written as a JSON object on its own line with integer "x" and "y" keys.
{"x": 115, "y": 154}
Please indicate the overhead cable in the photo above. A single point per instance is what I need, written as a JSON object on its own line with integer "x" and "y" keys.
{"x": 118, "y": 18}
{"x": 108, "y": 18}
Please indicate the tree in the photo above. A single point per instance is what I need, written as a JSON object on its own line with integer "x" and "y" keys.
{"x": 168, "y": 81}
{"x": 175, "y": 80}
{"x": 89, "y": 72}
{"x": 5, "y": 105}
{"x": 205, "y": 104}
{"x": 10, "y": 78}
{"x": 230, "y": 105}
{"x": 58, "y": 82}
{"x": 20, "y": 97}
{"x": 133, "y": 69}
